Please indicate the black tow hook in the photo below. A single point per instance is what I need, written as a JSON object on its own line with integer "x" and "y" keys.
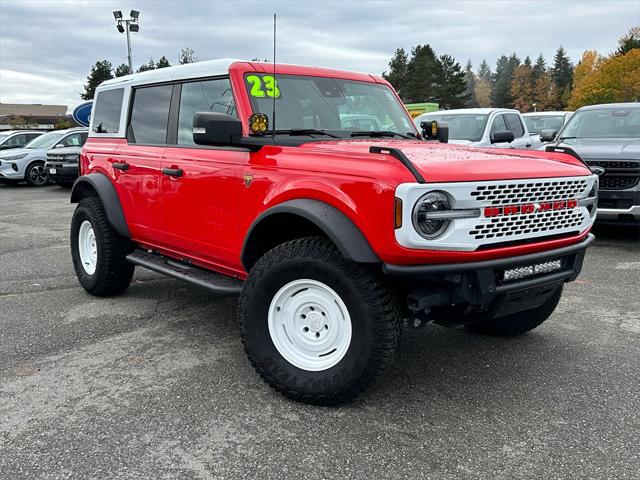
{"x": 417, "y": 320}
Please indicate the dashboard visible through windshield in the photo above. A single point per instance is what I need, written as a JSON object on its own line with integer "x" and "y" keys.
{"x": 334, "y": 105}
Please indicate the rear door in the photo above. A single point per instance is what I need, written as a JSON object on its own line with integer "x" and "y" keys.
{"x": 137, "y": 161}
{"x": 201, "y": 184}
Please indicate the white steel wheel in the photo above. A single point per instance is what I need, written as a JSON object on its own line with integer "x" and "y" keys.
{"x": 309, "y": 325}
{"x": 87, "y": 247}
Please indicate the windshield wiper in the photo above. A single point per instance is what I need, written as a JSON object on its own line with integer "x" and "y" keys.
{"x": 301, "y": 131}
{"x": 377, "y": 133}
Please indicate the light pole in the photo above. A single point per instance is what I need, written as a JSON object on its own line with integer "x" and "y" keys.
{"x": 130, "y": 25}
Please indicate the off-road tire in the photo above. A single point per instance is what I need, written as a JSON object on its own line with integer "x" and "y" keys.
{"x": 35, "y": 178}
{"x": 113, "y": 273}
{"x": 372, "y": 306}
{"x": 517, "y": 323}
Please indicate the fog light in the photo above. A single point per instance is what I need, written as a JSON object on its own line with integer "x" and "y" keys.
{"x": 523, "y": 272}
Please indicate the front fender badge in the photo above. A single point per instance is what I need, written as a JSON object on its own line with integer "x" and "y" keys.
{"x": 247, "y": 180}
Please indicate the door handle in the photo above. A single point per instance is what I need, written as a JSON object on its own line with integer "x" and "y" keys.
{"x": 120, "y": 166}
{"x": 528, "y": 145}
{"x": 173, "y": 172}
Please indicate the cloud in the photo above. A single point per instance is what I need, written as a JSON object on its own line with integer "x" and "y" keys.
{"x": 48, "y": 47}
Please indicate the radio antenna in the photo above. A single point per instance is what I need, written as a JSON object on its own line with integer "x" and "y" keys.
{"x": 273, "y": 114}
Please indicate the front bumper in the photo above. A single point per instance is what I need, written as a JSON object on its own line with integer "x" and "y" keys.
{"x": 480, "y": 285}
{"x": 618, "y": 206}
{"x": 58, "y": 171}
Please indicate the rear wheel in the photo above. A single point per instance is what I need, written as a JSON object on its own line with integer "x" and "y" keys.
{"x": 36, "y": 175}
{"x": 98, "y": 251}
{"x": 317, "y": 327}
{"x": 517, "y": 323}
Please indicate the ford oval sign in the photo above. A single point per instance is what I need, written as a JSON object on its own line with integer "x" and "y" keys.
{"x": 82, "y": 113}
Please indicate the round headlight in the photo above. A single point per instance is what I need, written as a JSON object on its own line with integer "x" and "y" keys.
{"x": 427, "y": 214}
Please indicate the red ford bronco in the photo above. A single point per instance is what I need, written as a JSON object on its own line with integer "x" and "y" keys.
{"x": 311, "y": 194}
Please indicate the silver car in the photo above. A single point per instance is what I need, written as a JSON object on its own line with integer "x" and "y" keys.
{"x": 27, "y": 164}
{"x": 484, "y": 127}
{"x": 10, "y": 139}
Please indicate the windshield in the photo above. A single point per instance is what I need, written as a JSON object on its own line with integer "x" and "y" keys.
{"x": 3, "y": 136}
{"x": 462, "y": 126}
{"x": 537, "y": 123}
{"x": 45, "y": 141}
{"x": 331, "y": 104}
{"x": 613, "y": 122}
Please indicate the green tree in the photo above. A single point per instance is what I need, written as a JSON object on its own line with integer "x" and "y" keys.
{"x": 450, "y": 84}
{"x": 17, "y": 123}
{"x": 100, "y": 72}
{"x": 423, "y": 74}
{"x": 145, "y": 67}
{"x": 122, "y": 70}
{"x": 562, "y": 73}
{"x": 470, "y": 81}
{"x": 398, "y": 71}
{"x": 484, "y": 71}
{"x": 501, "y": 88}
{"x": 186, "y": 56}
{"x": 163, "y": 62}
{"x": 628, "y": 42}
{"x": 63, "y": 124}
{"x": 539, "y": 68}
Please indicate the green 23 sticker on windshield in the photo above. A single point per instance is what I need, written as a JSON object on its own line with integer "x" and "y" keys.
{"x": 265, "y": 86}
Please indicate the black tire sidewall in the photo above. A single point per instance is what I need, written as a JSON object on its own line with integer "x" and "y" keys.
{"x": 260, "y": 345}
{"x": 27, "y": 177}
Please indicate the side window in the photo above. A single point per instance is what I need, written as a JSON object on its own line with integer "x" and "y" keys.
{"x": 205, "y": 96}
{"x": 17, "y": 140}
{"x": 515, "y": 125}
{"x": 106, "y": 115}
{"x": 150, "y": 115}
{"x": 31, "y": 136}
{"x": 498, "y": 124}
{"x": 83, "y": 137}
{"x": 73, "y": 140}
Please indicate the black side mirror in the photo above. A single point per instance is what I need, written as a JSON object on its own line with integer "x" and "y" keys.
{"x": 548, "y": 134}
{"x": 502, "y": 136}
{"x": 432, "y": 130}
{"x": 211, "y": 128}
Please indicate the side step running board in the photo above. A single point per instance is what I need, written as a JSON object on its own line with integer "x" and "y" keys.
{"x": 215, "y": 282}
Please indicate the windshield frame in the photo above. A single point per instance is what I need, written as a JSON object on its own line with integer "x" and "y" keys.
{"x": 577, "y": 115}
{"x": 342, "y": 133}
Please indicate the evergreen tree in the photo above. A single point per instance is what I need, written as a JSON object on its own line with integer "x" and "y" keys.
{"x": 539, "y": 68}
{"x": 423, "y": 74}
{"x": 562, "y": 73}
{"x": 163, "y": 62}
{"x": 450, "y": 84}
{"x": 122, "y": 70}
{"x": 470, "y": 80}
{"x": 501, "y": 88}
{"x": 145, "y": 67}
{"x": 484, "y": 71}
{"x": 630, "y": 41}
{"x": 186, "y": 56}
{"x": 100, "y": 72}
{"x": 398, "y": 71}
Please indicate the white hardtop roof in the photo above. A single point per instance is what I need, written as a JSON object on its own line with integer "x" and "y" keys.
{"x": 209, "y": 68}
{"x": 544, "y": 114}
{"x": 477, "y": 111}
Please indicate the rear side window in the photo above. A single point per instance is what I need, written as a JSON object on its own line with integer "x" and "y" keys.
{"x": 150, "y": 115}
{"x": 206, "y": 96}
{"x": 106, "y": 115}
{"x": 515, "y": 125}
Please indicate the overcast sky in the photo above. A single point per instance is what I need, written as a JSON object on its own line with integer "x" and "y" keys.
{"x": 47, "y": 47}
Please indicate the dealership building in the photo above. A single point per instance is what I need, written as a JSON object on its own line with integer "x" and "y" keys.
{"x": 32, "y": 116}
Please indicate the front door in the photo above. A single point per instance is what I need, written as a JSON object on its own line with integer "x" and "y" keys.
{"x": 201, "y": 185}
{"x": 514, "y": 125}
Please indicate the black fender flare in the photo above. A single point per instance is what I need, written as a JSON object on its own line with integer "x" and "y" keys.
{"x": 101, "y": 184}
{"x": 347, "y": 237}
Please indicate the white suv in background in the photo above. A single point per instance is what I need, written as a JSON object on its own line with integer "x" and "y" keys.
{"x": 536, "y": 122}
{"x": 484, "y": 127}
{"x": 27, "y": 164}
{"x": 17, "y": 138}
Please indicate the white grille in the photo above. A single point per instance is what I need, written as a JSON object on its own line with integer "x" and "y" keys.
{"x": 527, "y": 192}
{"x": 533, "y": 223}
{"x": 539, "y": 194}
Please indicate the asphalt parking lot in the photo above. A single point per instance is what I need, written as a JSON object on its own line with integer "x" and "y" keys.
{"x": 154, "y": 384}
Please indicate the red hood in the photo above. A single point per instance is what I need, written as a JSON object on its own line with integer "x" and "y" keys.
{"x": 439, "y": 162}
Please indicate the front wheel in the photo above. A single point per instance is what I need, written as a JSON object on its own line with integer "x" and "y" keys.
{"x": 518, "y": 323}
{"x": 36, "y": 175}
{"x": 317, "y": 327}
{"x": 98, "y": 251}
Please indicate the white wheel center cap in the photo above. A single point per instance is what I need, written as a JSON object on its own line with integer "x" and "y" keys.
{"x": 315, "y": 321}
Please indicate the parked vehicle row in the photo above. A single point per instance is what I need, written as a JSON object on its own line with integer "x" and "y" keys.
{"x": 28, "y": 163}
{"x": 10, "y": 139}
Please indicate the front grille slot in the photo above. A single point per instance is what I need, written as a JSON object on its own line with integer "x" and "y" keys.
{"x": 618, "y": 183}
{"x": 619, "y": 175}
{"x": 534, "y": 223}
{"x": 541, "y": 191}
